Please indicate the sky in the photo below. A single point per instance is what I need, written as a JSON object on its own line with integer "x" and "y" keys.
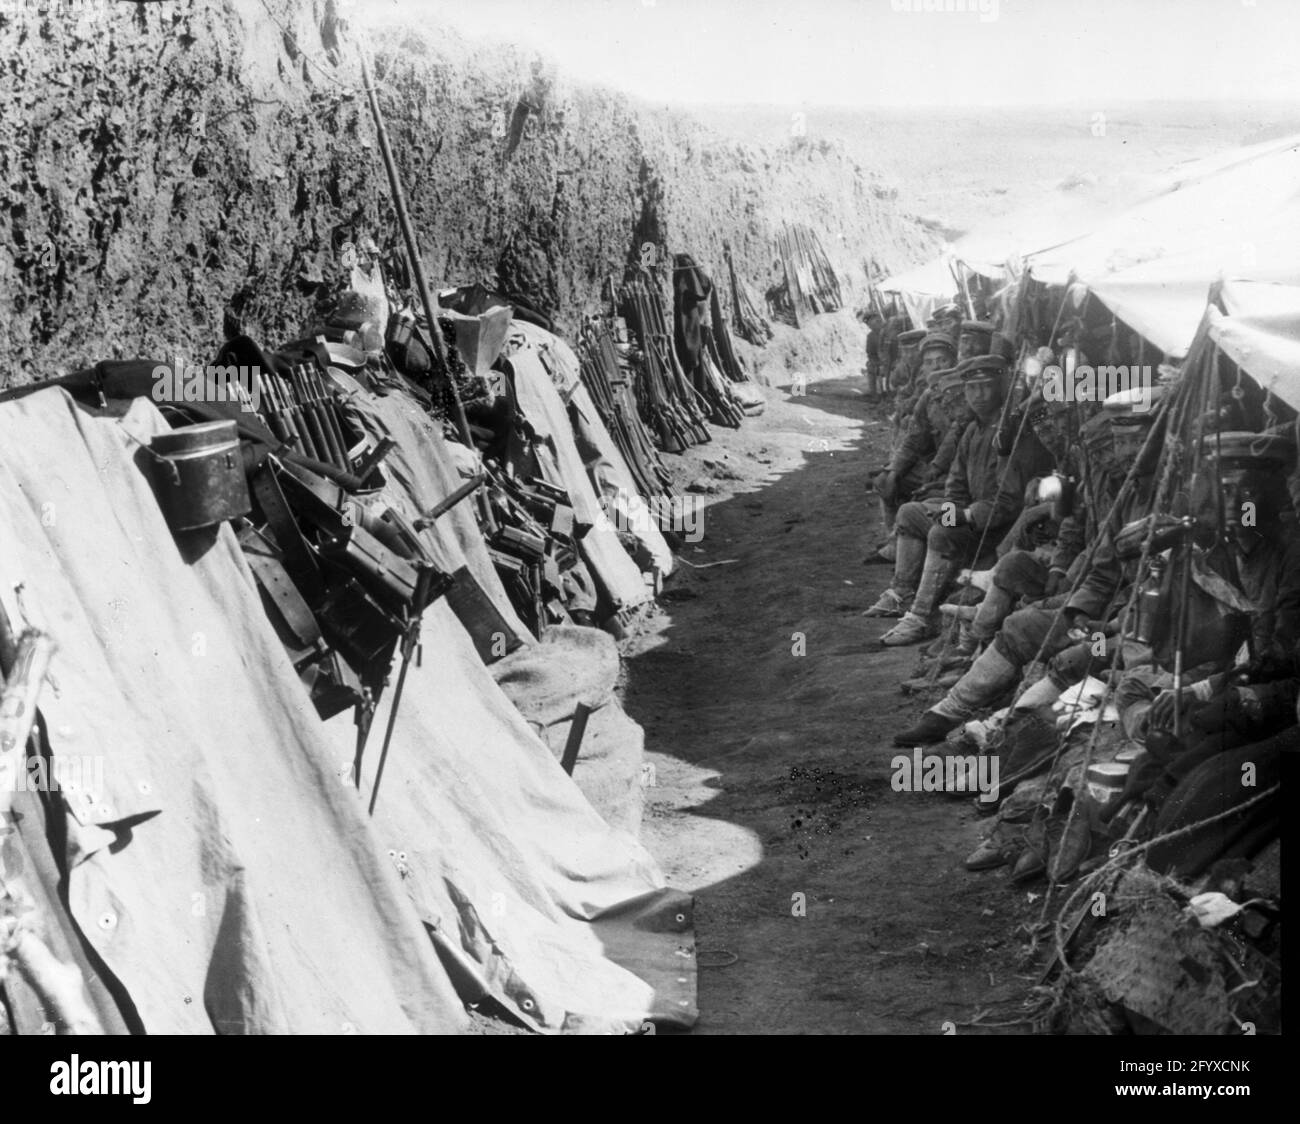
{"x": 896, "y": 53}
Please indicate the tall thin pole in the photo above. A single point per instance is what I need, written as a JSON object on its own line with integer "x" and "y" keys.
{"x": 412, "y": 251}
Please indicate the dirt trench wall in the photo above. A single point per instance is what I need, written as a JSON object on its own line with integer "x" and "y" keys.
{"x": 166, "y": 166}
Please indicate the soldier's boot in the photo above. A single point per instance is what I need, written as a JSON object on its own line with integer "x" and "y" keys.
{"x": 930, "y": 729}
{"x": 886, "y": 550}
{"x": 989, "y": 676}
{"x": 991, "y": 612}
{"x": 910, "y": 630}
{"x": 964, "y": 651}
{"x": 888, "y": 513}
{"x": 936, "y": 576}
{"x": 1042, "y": 693}
{"x": 919, "y": 623}
{"x": 907, "y": 569}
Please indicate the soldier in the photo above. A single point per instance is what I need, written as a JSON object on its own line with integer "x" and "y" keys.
{"x": 948, "y": 321}
{"x": 1032, "y": 563}
{"x": 875, "y": 324}
{"x": 1257, "y": 556}
{"x": 914, "y": 463}
{"x": 1027, "y": 632}
{"x": 904, "y": 367}
{"x": 979, "y": 504}
{"x": 975, "y": 338}
{"x": 934, "y": 353}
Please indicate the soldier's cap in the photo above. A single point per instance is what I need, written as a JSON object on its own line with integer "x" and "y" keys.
{"x": 1040, "y": 409}
{"x": 911, "y": 336}
{"x": 938, "y": 339}
{"x": 1095, "y": 432}
{"x": 1239, "y": 449}
{"x": 945, "y": 381}
{"x": 981, "y": 326}
{"x": 1001, "y": 345}
{"x": 1133, "y": 407}
{"x": 982, "y": 368}
{"x": 947, "y": 311}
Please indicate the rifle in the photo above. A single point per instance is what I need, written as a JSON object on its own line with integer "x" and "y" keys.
{"x": 960, "y": 278}
{"x": 410, "y": 639}
{"x": 445, "y": 505}
{"x": 413, "y": 252}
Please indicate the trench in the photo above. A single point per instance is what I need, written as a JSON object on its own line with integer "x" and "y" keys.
{"x": 827, "y": 902}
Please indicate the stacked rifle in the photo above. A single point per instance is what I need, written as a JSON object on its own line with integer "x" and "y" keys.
{"x": 673, "y": 409}
{"x": 304, "y": 414}
{"x": 532, "y": 542}
{"x": 609, "y": 380}
{"x": 717, "y": 341}
{"x": 812, "y": 284}
{"x": 751, "y": 325}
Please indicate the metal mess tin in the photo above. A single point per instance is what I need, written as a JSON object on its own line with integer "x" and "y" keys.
{"x": 199, "y": 475}
{"x": 1106, "y": 781}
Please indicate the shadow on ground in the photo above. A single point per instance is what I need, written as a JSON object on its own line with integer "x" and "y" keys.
{"x": 827, "y": 902}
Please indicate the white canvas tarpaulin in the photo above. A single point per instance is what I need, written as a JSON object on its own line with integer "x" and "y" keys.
{"x": 506, "y": 860}
{"x": 1260, "y": 332}
{"x": 1153, "y": 265}
{"x": 1164, "y": 299}
{"x": 611, "y": 566}
{"x": 923, "y": 289}
{"x": 227, "y": 874}
{"x": 223, "y": 872}
{"x": 607, "y": 470}
{"x": 423, "y": 467}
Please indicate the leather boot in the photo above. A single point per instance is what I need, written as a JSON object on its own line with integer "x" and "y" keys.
{"x": 932, "y": 728}
{"x": 989, "y": 677}
{"x": 887, "y": 514}
{"x": 964, "y": 651}
{"x": 889, "y": 604}
{"x": 1042, "y": 693}
{"x": 936, "y": 576}
{"x": 910, "y": 630}
{"x": 992, "y": 611}
{"x": 909, "y": 562}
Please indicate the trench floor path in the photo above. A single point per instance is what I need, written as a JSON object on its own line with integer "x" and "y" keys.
{"x": 769, "y": 710}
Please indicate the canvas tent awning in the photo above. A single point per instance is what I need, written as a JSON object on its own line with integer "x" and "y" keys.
{"x": 923, "y": 289}
{"x": 1260, "y": 332}
{"x": 1153, "y": 265}
{"x": 223, "y": 827}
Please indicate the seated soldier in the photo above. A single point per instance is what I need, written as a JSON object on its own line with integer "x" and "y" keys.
{"x": 1242, "y": 713}
{"x": 946, "y": 321}
{"x": 1243, "y": 573}
{"x": 979, "y": 504}
{"x": 902, "y": 373}
{"x": 974, "y": 338}
{"x": 911, "y": 435}
{"x": 1031, "y": 563}
{"x": 936, "y": 352}
{"x": 1036, "y": 632}
{"x": 948, "y": 415}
